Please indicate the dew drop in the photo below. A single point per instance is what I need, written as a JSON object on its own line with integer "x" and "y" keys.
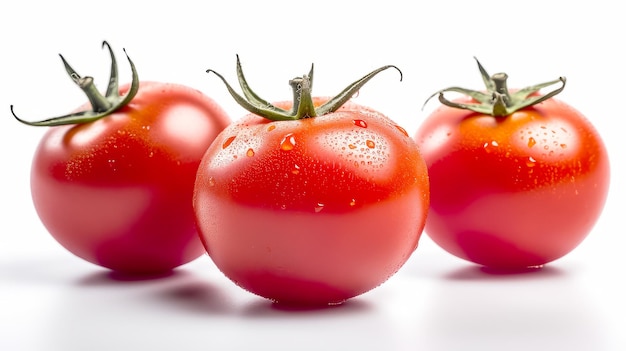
{"x": 486, "y": 147}
{"x": 296, "y": 169}
{"x": 227, "y": 142}
{"x": 563, "y": 146}
{"x": 352, "y": 202}
{"x": 402, "y": 130}
{"x": 359, "y": 123}
{"x": 370, "y": 144}
{"x": 319, "y": 207}
{"x": 271, "y": 127}
{"x": 288, "y": 142}
{"x": 211, "y": 181}
{"x": 352, "y": 146}
{"x": 531, "y": 142}
{"x": 531, "y": 162}
{"x": 250, "y": 153}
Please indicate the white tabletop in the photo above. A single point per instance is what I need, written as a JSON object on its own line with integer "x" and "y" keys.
{"x": 51, "y": 300}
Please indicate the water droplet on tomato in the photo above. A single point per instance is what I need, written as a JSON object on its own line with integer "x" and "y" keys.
{"x": 352, "y": 146}
{"x": 359, "y": 123}
{"x": 402, "y": 130}
{"x": 271, "y": 127}
{"x": 211, "y": 181}
{"x": 531, "y": 162}
{"x": 531, "y": 142}
{"x": 352, "y": 202}
{"x": 370, "y": 144}
{"x": 288, "y": 142}
{"x": 250, "y": 153}
{"x": 489, "y": 146}
{"x": 319, "y": 207}
{"x": 227, "y": 142}
{"x": 296, "y": 169}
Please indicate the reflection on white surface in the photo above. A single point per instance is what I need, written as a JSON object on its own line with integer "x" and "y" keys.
{"x": 71, "y": 305}
{"x": 190, "y": 311}
{"x": 524, "y": 311}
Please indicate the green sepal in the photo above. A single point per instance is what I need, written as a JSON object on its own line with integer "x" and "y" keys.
{"x": 303, "y": 106}
{"x": 101, "y": 105}
{"x": 497, "y": 100}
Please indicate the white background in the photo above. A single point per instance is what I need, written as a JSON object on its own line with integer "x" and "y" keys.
{"x": 51, "y": 300}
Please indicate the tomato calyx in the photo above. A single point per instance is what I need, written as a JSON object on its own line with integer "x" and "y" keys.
{"x": 497, "y": 100}
{"x": 303, "y": 106}
{"x": 101, "y": 105}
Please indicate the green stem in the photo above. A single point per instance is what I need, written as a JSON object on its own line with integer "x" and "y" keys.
{"x": 302, "y": 100}
{"x": 499, "y": 80}
{"x": 98, "y": 102}
{"x": 501, "y": 97}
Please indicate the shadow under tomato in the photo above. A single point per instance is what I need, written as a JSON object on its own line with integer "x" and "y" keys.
{"x": 179, "y": 289}
{"x": 108, "y": 277}
{"x": 265, "y": 308}
{"x": 477, "y": 273}
{"x": 195, "y": 296}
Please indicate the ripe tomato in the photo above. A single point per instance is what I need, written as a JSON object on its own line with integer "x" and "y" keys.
{"x": 518, "y": 179}
{"x": 117, "y": 190}
{"x": 312, "y": 207}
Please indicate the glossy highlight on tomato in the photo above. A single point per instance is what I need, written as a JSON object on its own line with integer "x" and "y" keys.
{"x": 515, "y": 190}
{"x": 312, "y": 210}
{"x": 116, "y": 190}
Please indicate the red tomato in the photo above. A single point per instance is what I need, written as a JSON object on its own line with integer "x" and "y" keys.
{"x": 312, "y": 210}
{"x": 515, "y": 190}
{"x": 117, "y": 191}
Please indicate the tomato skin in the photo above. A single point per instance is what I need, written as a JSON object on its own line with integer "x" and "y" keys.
{"x": 292, "y": 210}
{"x": 515, "y": 191}
{"x": 117, "y": 192}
